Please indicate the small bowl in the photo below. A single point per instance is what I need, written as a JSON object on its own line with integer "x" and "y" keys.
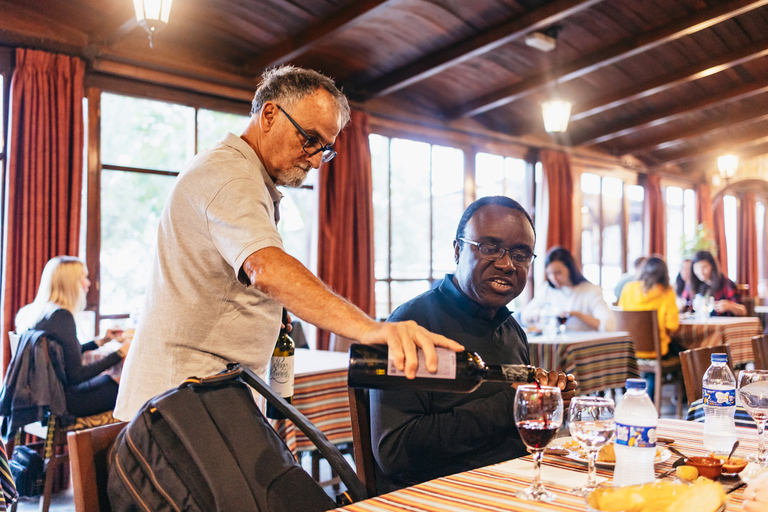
{"x": 709, "y": 467}
{"x": 733, "y": 466}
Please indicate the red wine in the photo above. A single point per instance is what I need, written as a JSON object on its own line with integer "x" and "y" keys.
{"x": 462, "y": 372}
{"x": 280, "y": 371}
{"x": 562, "y": 319}
{"x": 536, "y": 434}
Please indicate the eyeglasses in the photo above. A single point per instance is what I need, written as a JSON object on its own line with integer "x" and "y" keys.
{"x": 520, "y": 258}
{"x": 313, "y": 146}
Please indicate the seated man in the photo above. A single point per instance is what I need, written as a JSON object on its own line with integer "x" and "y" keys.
{"x": 418, "y": 435}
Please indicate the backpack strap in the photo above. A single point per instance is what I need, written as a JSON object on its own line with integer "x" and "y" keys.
{"x": 192, "y": 424}
{"x": 337, "y": 461}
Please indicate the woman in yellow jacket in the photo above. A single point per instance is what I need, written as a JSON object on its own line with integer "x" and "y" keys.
{"x": 653, "y": 291}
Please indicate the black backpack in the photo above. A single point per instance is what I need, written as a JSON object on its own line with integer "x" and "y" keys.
{"x": 207, "y": 447}
{"x": 28, "y": 471}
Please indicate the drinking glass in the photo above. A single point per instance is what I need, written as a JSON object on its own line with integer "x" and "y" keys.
{"x": 562, "y": 317}
{"x": 538, "y": 415}
{"x": 590, "y": 421}
{"x": 753, "y": 391}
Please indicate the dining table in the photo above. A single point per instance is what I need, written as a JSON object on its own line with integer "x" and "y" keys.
{"x": 720, "y": 330}
{"x": 492, "y": 488}
{"x": 598, "y": 360}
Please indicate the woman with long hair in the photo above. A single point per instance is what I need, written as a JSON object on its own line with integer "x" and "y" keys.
{"x": 60, "y": 297}
{"x": 707, "y": 280}
{"x": 567, "y": 292}
{"x": 653, "y": 291}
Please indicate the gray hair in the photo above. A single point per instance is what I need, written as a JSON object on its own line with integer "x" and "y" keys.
{"x": 288, "y": 84}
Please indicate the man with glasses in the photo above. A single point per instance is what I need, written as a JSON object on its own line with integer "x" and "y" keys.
{"x": 221, "y": 278}
{"x": 419, "y": 435}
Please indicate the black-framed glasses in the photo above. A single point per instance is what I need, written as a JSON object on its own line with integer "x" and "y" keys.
{"x": 313, "y": 145}
{"x": 493, "y": 252}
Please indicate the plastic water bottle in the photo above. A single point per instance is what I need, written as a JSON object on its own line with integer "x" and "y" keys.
{"x": 635, "y": 441}
{"x": 719, "y": 396}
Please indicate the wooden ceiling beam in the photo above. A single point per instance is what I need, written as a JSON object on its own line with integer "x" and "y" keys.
{"x": 488, "y": 41}
{"x": 23, "y": 25}
{"x": 616, "y": 130}
{"x": 119, "y": 21}
{"x": 309, "y": 37}
{"x": 689, "y": 74}
{"x": 611, "y": 55}
{"x": 739, "y": 145}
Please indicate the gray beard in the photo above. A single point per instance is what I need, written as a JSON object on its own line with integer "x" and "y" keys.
{"x": 292, "y": 178}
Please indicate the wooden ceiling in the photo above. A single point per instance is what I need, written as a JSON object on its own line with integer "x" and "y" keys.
{"x": 672, "y": 83}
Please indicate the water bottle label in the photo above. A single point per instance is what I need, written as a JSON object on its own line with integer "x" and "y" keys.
{"x": 719, "y": 397}
{"x": 446, "y": 366}
{"x": 636, "y": 437}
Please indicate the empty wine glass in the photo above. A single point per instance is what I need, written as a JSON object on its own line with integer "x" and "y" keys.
{"x": 753, "y": 391}
{"x": 538, "y": 415}
{"x": 590, "y": 420}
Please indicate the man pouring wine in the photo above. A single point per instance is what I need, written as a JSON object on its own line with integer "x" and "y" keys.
{"x": 420, "y": 435}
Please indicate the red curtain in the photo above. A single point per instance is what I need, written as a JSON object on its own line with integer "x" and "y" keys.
{"x": 656, "y": 215}
{"x": 718, "y": 215}
{"x": 345, "y": 245}
{"x": 44, "y": 175}
{"x": 558, "y": 185}
{"x": 704, "y": 206}
{"x": 747, "y": 268}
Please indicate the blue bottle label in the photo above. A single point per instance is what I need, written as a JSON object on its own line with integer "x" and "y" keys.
{"x": 636, "y": 437}
{"x": 719, "y": 397}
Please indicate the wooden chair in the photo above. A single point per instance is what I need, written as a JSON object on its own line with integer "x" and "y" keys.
{"x": 694, "y": 363}
{"x": 360, "y": 414}
{"x": 643, "y": 327}
{"x": 760, "y": 351}
{"x": 88, "y": 451}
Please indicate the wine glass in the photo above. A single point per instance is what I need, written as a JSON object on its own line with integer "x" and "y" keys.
{"x": 590, "y": 420}
{"x": 538, "y": 415}
{"x": 562, "y": 317}
{"x": 753, "y": 391}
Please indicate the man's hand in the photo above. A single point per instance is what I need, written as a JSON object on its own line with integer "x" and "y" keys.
{"x": 566, "y": 383}
{"x": 288, "y": 327}
{"x": 756, "y": 495}
{"x": 403, "y": 338}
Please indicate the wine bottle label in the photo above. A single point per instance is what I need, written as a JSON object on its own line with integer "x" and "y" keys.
{"x": 280, "y": 374}
{"x": 636, "y": 437}
{"x": 719, "y": 397}
{"x": 515, "y": 372}
{"x": 446, "y": 366}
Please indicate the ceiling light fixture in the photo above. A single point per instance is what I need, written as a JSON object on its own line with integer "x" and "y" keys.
{"x": 152, "y": 15}
{"x": 556, "y": 111}
{"x": 727, "y": 165}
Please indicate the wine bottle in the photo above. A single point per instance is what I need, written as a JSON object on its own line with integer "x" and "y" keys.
{"x": 462, "y": 372}
{"x": 280, "y": 372}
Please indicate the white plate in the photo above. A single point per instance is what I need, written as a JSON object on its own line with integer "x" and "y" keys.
{"x": 662, "y": 454}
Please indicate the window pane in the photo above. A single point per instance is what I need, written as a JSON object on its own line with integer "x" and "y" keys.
{"x": 213, "y": 126}
{"x": 675, "y": 229}
{"x": 689, "y": 213}
{"x": 447, "y": 206}
{"x": 2, "y": 124}
{"x": 762, "y": 271}
{"x": 613, "y": 191}
{"x": 381, "y": 289}
{"x": 636, "y": 235}
{"x": 590, "y": 224}
{"x": 403, "y": 291}
{"x": 489, "y": 175}
{"x": 730, "y": 206}
{"x": 410, "y": 209}
{"x": 298, "y": 216}
{"x": 380, "y": 168}
{"x": 131, "y": 204}
{"x": 515, "y": 185}
{"x": 145, "y": 133}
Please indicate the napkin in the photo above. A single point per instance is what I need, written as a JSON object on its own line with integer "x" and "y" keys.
{"x": 558, "y": 476}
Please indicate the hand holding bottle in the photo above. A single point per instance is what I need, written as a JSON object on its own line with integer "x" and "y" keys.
{"x": 566, "y": 383}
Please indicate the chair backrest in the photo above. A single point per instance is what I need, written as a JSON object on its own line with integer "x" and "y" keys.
{"x": 695, "y": 362}
{"x": 360, "y": 414}
{"x": 643, "y": 327}
{"x": 88, "y": 451}
{"x": 339, "y": 343}
{"x": 14, "y": 339}
{"x": 760, "y": 351}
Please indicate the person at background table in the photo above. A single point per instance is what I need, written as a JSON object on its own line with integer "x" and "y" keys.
{"x": 683, "y": 285}
{"x": 652, "y": 291}
{"x": 566, "y": 291}
{"x": 707, "y": 280}
{"x": 634, "y": 275}
{"x": 61, "y": 295}
{"x": 220, "y": 277}
{"x": 419, "y": 435}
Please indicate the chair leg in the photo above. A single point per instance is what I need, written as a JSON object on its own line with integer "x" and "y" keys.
{"x": 679, "y": 406}
{"x": 658, "y": 379}
{"x": 316, "y": 465}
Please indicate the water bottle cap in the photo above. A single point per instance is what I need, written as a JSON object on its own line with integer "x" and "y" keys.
{"x": 719, "y": 358}
{"x": 636, "y": 384}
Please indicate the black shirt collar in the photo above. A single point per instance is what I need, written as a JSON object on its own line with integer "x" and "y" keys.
{"x": 468, "y": 306}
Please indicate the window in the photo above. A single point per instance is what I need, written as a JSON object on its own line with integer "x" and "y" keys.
{"x": 496, "y": 175}
{"x": 418, "y": 199}
{"x": 144, "y": 145}
{"x": 635, "y": 233}
{"x": 762, "y": 257}
{"x": 602, "y": 231}
{"x": 681, "y": 225}
{"x": 730, "y": 212}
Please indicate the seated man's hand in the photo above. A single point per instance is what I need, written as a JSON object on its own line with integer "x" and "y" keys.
{"x": 756, "y": 495}
{"x": 566, "y": 383}
{"x": 403, "y": 338}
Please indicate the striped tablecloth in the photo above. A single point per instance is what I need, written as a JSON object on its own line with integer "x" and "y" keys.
{"x": 598, "y": 360}
{"x": 493, "y": 488}
{"x": 719, "y": 330}
{"x": 320, "y": 393}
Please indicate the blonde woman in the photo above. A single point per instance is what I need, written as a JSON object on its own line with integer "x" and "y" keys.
{"x": 60, "y": 297}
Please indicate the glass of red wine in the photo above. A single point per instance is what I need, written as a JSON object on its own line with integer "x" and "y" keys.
{"x": 538, "y": 415}
{"x": 562, "y": 317}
